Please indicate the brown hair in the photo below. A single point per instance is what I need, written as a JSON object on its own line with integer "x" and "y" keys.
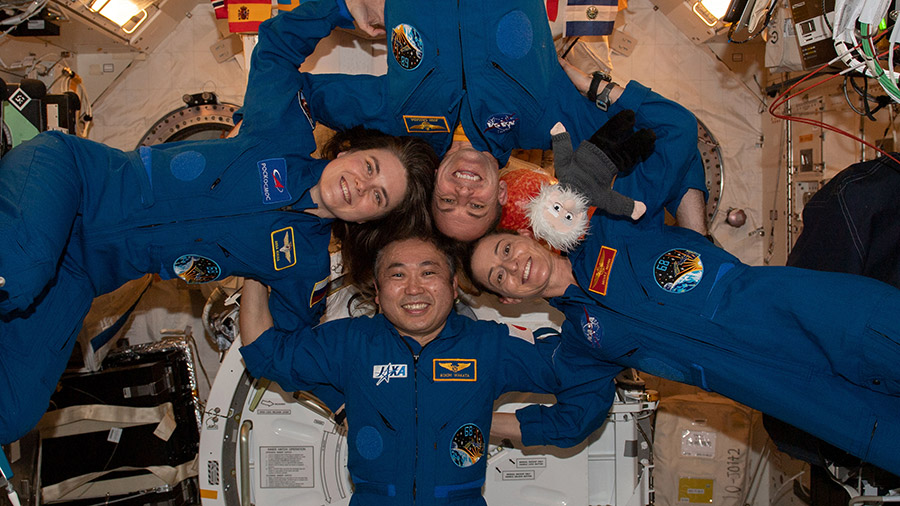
{"x": 361, "y": 241}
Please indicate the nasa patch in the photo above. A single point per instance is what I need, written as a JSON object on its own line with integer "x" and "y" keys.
{"x": 273, "y": 180}
{"x": 467, "y": 445}
{"x": 592, "y": 330}
{"x": 678, "y": 270}
{"x": 196, "y": 269}
{"x": 500, "y": 123}
{"x": 407, "y": 46}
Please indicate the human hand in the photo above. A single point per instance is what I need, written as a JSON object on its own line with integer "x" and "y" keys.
{"x": 369, "y": 15}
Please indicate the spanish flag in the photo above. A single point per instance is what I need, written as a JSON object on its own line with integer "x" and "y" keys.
{"x": 244, "y": 16}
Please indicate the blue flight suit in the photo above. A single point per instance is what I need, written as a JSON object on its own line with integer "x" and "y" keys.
{"x": 419, "y": 417}
{"x": 816, "y": 350}
{"x": 79, "y": 219}
{"x": 492, "y": 67}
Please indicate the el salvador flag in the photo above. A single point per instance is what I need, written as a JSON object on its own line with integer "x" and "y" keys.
{"x": 590, "y": 17}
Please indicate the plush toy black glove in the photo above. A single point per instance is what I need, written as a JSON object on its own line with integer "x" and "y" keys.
{"x": 621, "y": 144}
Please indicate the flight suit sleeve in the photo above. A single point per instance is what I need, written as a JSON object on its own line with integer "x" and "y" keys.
{"x": 583, "y": 399}
{"x": 343, "y": 101}
{"x": 299, "y": 360}
{"x": 272, "y": 102}
{"x": 675, "y": 165}
{"x": 526, "y": 361}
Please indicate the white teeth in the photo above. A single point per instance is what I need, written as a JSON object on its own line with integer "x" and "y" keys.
{"x": 415, "y": 307}
{"x": 345, "y": 189}
{"x": 527, "y": 271}
{"x": 467, "y": 176}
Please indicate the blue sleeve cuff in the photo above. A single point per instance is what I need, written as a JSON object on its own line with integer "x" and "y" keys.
{"x": 345, "y": 14}
{"x": 257, "y": 355}
{"x": 529, "y": 419}
{"x": 632, "y": 98}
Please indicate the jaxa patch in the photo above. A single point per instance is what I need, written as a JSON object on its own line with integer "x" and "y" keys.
{"x": 385, "y": 373}
{"x": 467, "y": 445}
{"x": 407, "y": 46}
{"x": 196, "y": 269}
{"x": 678, "y": 270}
{"x": 454, "y": 369}
{"x": 318, "y": 292}
{"x": 272, "y": 180}
{"x": 500, "y": 123}
{"x": 304, "y": 106}
{"x": 426, "y": 124}
{"x": 602, "y": 269}
{"x": 592, "y": 330}
{"x": 283, "y": 253}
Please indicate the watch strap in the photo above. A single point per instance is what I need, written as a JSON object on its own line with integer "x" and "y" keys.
{"x": 596, "y": 78}
{"x": 602, "y": 100}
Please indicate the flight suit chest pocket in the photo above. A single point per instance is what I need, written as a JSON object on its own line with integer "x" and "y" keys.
{"x": 681, "y": 279}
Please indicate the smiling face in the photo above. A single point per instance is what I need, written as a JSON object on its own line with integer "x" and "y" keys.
{"x": 468, "y": 194}
{"x": 362, "y": 185}
{"x": 513, "y": 266}
{"x": 415, "y": 288}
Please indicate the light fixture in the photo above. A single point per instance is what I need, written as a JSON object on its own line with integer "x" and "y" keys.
{"x": 713, "y": 11}
{"x": 128, "y": 14}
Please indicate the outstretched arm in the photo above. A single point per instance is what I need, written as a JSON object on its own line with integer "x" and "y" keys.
{"x": 255, "y": 316}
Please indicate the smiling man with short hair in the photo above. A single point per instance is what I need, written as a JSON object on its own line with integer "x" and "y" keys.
{"x": 419, "y": 380}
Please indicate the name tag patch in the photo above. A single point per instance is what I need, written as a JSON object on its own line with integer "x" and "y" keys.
{"x": 283, "y": 253}
{"x": 600, "y": 277}
{"x": 272, "y": 181}
{"x": 425, "y": 124}
{"x": 385, "y": 373}
{"x": 455, "y": 369}
{"x": 678, "y": 270}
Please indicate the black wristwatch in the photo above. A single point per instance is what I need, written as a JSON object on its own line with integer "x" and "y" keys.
{"x": 602, "y": 100}
{"x": 596, "y": 78}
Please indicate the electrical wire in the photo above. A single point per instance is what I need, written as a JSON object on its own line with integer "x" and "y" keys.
{"x": 784, "y": 97}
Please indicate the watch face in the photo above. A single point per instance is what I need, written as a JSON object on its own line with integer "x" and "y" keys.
{"x": 467, "y": 445}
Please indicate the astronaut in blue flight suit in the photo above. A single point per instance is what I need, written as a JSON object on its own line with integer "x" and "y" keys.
{"x": 419, "y": 379}
{"x": 817, "y": 350}
{"x": 492, "y": 68}
{"x": 78, "y": 218}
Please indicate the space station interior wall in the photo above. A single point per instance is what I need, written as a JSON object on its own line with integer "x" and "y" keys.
{"x": 664, "y": 59}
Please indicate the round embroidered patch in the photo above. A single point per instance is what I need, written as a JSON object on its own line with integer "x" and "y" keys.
{"x": 592, "y": 330}
{"x": 467, "y": 445}
{"x": 187, "y": 166}
{"x": 196, "y": 269}
{"x": 678, "y": 270}
{"x": 369, "y": 443}
{"x": 406, "y": 44}
{"x": 515, "y": 34}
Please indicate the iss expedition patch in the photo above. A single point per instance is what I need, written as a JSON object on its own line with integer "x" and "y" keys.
{"x": 678, "y": 270}
{"x": 196, "y": 269}
{"x": 467, "y": 446}
{"x": 407, "y": 46}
